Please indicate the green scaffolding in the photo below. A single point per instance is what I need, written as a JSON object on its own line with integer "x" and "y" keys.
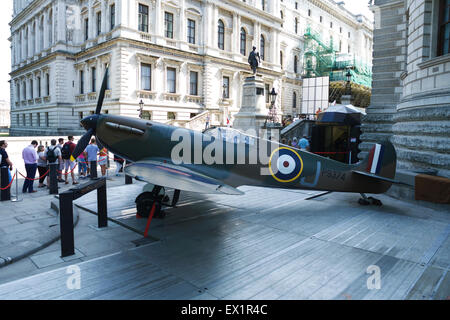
{"x": 320, "y": 60}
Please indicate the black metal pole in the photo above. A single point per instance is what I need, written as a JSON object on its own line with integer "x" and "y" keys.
{"x": 53, "y": 179}
{"x": 66, "y": 223}
{"x": 5, "y": 194}
{"x": 93, "y": 169}
{"x": 128, "y": 179}
{"x": 101, "y": 206}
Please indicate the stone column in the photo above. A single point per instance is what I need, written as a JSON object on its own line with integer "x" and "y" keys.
{"x": 387, "y": 66}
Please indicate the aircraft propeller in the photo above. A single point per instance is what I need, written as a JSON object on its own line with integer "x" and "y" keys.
{"x": 90, "y": 122}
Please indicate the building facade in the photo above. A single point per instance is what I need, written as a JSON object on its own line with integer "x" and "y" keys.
{"x": 184, "y": 59}
{"x": 411, "y": 86}
{"x": 4, "y": 114}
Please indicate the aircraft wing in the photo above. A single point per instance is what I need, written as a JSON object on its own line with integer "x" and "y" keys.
{"x": 177, "y": 177}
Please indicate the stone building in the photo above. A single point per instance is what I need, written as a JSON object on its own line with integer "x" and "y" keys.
{"x": 4, "y": 114}
{"x": 184, "y": 59}
{"x": 411, "y": 84}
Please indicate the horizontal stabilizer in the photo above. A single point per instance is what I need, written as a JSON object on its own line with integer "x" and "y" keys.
{"x": 374, "y": 176}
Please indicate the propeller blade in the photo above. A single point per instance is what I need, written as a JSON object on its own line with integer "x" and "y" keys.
{"x": 82, "y": 144}
{"x": 101, "y": 97}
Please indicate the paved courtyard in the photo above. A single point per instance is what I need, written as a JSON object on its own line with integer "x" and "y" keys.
{"x": 266, "y": 244}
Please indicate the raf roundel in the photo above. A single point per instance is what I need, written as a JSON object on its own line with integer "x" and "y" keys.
{"x": 285, "y": 165}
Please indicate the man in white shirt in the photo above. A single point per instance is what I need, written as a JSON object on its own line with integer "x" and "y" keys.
{"x": 30, "y": 157}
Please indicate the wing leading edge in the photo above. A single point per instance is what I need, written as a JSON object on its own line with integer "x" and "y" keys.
{"x": 167, "y": 175}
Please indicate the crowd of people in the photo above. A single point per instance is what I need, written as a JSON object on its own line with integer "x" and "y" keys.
{"x": 38, "y": 158}
{"x": 302, "y": 144}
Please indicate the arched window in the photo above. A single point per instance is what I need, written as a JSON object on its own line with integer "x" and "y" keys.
{"x": 26, "y": 43}
{"x": 33, "y": 38}
{"x": 243, "y": 41}
{"x": 295, "y": 63}
{"x": 294, "y": 100}
{"x": 41, "y": 34}
{"x": 50, "y": 29}
{"x": 262, "y": 47}
{"x": 296, "y": 25}
{"x": 221, "y": 35}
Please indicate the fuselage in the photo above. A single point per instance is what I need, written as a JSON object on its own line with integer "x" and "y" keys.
{"x": 261, "y": 163}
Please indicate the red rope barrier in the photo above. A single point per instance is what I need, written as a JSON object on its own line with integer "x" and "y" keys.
{"x": 65, "y": 174}
{"x": 43, "y": 176}
{"x": 9, "y": 185}
{"x": 330, "y": 152}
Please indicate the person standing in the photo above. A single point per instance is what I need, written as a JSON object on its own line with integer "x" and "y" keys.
{"x": 61, "y": 162}
{"x": 303, "y": 144}
{"x": 91, "y": 152}
{"x": 102, "y": 160}
{"x": 82, "y": 166}
{"x": 30, "y": 158}
{"x": 207, "y": 122}
{"x": 42, "y": 166}
{"x": 52, "y": 155}
{"x": 69, "y": 165}
{"x": 5, "y": 162}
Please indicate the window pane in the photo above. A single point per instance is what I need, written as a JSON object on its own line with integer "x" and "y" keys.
{"x": 193, "y": 83}
{"x": 168, "y": 22}
{"x": 171, "y": 80}
{"x": 243, "y": 41}
{"x": 226, "y": 87}
{"x": 191, "y": 31}
{"x": 146, "y": 71}
{"x": 221, "y": 35}
{"x": 143, "y": 18}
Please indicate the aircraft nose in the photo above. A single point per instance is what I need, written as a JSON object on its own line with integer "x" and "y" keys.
{"x": 90, "y": 122}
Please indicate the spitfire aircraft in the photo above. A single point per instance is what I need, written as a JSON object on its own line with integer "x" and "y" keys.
{"x": 149, "y": 147}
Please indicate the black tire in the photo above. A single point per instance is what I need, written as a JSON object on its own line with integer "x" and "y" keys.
{"x": 375, "y": 202}
{"x": 144, "y": 203}
{"x": 363, "y": 202}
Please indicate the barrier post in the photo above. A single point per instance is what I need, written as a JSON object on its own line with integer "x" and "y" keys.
{"x": 66, "y": 223}
{"x": 53, "y": 179}
{"x": 93, "y": 169}
{"x": 5, "y": 194}
{"x": 101, "y": 207}
{"x": 17, "y": 189}
{"x": 128, "y": 179}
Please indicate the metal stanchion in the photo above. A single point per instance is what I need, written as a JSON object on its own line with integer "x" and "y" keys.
{"x": 128, "y": 179}
{"x": 4, "y": 181}
{"x": 93, "y": 169}
{"x": 16, "y": 199}
{"x": 53, "y": 179}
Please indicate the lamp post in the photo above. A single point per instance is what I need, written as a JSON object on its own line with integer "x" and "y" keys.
{"x": 349, "y": 79}
{"x": 273, "y": 98}
{"x": 141, "y": 108}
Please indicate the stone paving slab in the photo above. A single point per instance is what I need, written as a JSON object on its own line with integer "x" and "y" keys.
{"x": 240, "y": 247}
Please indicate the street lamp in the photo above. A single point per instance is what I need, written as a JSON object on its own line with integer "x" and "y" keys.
{"x": 141, "y": 107}
{"x": 273, "y": 96}
{"x": 349, "y": 79}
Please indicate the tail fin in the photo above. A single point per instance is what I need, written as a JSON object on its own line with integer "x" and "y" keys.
{"x": 380, "y": 163}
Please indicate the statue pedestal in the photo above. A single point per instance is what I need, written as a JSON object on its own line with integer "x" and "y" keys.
{"x": 253, "y": 112}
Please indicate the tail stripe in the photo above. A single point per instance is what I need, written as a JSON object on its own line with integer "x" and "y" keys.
{"x": 376, "y": 160}
{"x": 380, "y": 159}
{"x": 369, "y": 164}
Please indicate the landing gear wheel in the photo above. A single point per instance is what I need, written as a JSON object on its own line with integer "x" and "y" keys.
{"x": 375, "y": 202}
{"x": 363, "y": 202}
{"x": 144, "y": 203}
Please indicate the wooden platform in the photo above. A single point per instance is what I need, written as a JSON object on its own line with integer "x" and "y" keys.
{"x": 267, "y": 244}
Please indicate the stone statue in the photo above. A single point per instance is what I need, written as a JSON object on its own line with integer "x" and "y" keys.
{"x": 254, "y": 59}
